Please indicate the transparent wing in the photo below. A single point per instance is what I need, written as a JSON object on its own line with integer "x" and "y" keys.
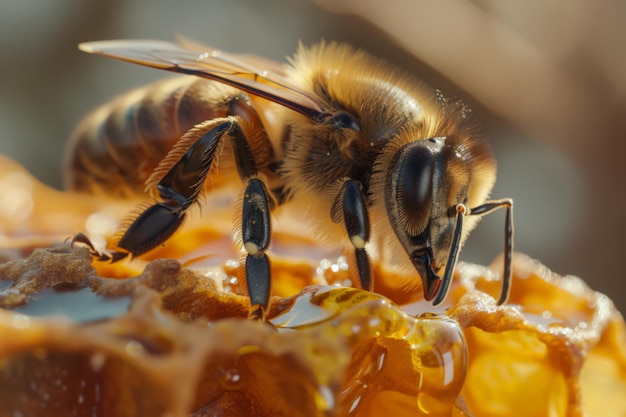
{"x": 256, "y": 75}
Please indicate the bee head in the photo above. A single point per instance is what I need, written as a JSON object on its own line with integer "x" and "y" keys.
{"x": 424, "y": 182}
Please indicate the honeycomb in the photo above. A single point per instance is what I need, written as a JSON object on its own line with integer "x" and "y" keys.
{"x": 168, "y": 335}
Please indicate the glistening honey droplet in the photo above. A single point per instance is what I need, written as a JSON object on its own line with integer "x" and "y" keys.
{"x": 231, "y": 379}
{"x": 399, "y": 363}
{"x": 440, "y": 345}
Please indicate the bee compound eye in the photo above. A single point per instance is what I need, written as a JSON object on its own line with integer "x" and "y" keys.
{"x": 414, "y": 187}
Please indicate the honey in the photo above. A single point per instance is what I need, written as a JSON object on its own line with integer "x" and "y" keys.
{"x": 165, "y": 337}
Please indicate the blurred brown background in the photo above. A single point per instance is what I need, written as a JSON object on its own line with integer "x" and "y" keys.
{"x": 547, "y": 79}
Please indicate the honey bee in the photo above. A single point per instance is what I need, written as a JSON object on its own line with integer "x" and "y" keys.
{"x": 373, "y": 158}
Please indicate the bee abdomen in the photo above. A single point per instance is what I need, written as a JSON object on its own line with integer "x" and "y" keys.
{"x": 116, "y": 148}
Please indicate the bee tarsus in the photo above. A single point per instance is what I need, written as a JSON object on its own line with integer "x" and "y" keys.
{"x": 82, "y": 239}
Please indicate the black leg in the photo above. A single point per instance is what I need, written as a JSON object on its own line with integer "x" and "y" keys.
{"x": 177, "y": 183}
{"x": 354, "y": 214}
{"x": 255, "y": 232}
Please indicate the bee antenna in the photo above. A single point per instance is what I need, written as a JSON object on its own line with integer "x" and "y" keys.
{"x": 461, "y": 210}
{"x": 488, "y": 207}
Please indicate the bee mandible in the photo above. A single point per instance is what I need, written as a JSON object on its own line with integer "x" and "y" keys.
{"x": 376, "y": 160}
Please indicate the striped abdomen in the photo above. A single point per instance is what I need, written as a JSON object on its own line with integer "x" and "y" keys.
{"x": 116, "y": 148}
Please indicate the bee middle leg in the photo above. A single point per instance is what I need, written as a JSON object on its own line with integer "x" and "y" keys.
{"x": 255, "y": 233}
{"x": 350, "y": 206}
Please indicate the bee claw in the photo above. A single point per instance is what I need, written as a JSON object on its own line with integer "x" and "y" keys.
{"x": 81, "y": 238}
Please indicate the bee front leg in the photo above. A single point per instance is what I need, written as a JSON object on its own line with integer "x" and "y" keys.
{"x": 350, "y": 206}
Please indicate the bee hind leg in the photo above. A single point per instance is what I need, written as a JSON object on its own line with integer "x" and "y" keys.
{"x": 82, "y": 239}
{"x": 178, "y": 182}
{"x": 180, "y": 178}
